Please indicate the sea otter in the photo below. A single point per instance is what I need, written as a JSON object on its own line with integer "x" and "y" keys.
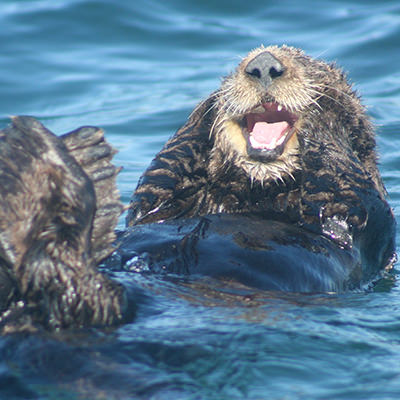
{"x": 284, "y": 136}
{"x": 284, "y": 139}
{"x": 272, "y": 182}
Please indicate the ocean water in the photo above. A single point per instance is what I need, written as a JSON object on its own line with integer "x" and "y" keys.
{"x": 137, "y": 69}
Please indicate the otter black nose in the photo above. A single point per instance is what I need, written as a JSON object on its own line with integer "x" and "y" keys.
{"x": 265, "y": 67}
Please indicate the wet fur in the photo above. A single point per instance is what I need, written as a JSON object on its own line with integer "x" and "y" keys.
{"x": 56, "y": 223}
{"x": 327, "y": 173}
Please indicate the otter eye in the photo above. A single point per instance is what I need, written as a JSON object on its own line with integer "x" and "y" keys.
{"x": 274, "y": 73}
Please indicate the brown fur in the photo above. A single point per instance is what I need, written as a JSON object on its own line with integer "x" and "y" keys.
{"x": 56, "y": 224}
{"x": 327, "y": 171}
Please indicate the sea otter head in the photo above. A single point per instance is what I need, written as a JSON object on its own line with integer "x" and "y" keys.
{"x": 263, "y": 107}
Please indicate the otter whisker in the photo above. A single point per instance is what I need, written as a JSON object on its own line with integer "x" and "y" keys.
{"x": 218, "y": 121}
{"x": 214, "y": 105}
{"x": 321, "y": 94}
{"x": 325, "y": 86}
{"x": 315, "y": 101}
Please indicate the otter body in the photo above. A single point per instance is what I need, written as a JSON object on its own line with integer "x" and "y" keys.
{"x": 284, "y": 139}
{"x": 297, "y": 143}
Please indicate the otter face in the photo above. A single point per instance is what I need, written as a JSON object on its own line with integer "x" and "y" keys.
{"x": 261, "y": 107}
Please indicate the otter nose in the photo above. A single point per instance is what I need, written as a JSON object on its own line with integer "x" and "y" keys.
{"x": 265, "y": 67}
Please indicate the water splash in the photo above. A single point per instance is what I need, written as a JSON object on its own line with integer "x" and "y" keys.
{"x": 337, "y": 229}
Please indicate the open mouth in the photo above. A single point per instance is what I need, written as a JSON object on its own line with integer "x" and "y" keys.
{"x": 267, "y": 132}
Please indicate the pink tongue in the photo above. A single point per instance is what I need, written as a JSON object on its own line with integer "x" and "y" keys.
{"x": 266, "y": 134}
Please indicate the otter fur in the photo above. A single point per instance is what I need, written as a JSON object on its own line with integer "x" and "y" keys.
{"x": 58, "y": 209}
{"x": 285, "y": 138}
{"x": 325, "y": 165}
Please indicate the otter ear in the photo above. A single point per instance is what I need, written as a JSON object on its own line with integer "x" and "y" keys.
{"x": 92, "y": 152}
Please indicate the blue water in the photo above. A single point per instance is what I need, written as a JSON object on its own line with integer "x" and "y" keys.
{"x": 137, "y": 69}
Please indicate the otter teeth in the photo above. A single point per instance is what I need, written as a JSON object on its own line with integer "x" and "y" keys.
{"x": 275, "y": 142}
{"x": 280, "y": 140}
{"x": 279, "y": 107}
{"x": 272, "y": 144}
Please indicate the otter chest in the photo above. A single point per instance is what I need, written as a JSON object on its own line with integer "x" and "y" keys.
{"x": 235, "y": 195}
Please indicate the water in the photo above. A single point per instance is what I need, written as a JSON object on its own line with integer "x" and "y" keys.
{"x": 137, "y": 69}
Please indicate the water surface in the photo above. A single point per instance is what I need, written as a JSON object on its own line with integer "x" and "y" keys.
{"x": 137, "y": 69}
